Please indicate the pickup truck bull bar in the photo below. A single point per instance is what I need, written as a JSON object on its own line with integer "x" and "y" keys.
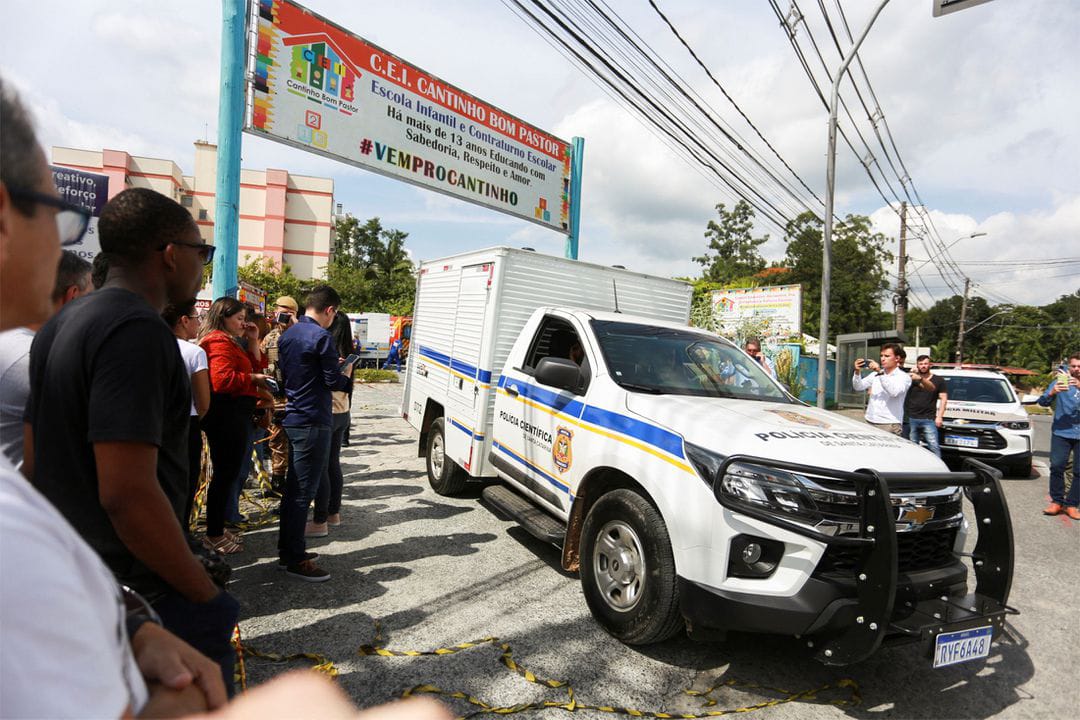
{"x": 872, "y": 617}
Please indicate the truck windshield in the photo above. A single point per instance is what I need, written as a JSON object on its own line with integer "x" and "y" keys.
{"x": 644, "y": 358}
{"x": 978, "y": 389}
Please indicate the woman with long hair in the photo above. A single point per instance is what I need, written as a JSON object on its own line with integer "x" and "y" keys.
{"x": 235, "y": 379}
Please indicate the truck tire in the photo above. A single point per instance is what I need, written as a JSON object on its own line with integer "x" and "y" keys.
{"x": 444, "y": 475}
{"x": 628, "y": 571}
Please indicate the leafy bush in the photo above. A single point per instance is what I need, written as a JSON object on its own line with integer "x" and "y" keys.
{"x": 371, "y": 375}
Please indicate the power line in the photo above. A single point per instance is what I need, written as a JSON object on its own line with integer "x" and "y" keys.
{"x": 651, "y": 110}
{"x": 732, "y": 100}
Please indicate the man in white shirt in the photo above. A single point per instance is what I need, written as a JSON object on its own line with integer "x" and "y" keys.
{"x": 888, "y": 386}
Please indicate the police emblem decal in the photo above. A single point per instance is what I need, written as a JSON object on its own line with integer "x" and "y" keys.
{"x": 800, "y": 418}
{"x": 562, "y": 450}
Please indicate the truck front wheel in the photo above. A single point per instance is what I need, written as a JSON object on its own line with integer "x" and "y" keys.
{"x": 628, "y": 571}
{"x": 444, "y": 476}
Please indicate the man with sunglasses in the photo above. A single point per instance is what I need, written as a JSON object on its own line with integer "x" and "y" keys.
{"x": 110, "y": 415}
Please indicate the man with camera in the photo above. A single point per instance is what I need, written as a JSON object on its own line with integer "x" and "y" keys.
{"x": 1064, "y": 394}
{"x": 925, "y": 405}
{"x": 888, "y": 385}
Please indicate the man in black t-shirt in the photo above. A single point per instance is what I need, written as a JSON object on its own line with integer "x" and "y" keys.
{"x": 924, "y": 405}
{"x": 109, "y": 417}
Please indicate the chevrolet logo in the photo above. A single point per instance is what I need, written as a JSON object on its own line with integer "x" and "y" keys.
{"x": 915, "y": 514}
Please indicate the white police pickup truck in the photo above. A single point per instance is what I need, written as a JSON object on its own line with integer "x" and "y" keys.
{"x": 687, "y": 487}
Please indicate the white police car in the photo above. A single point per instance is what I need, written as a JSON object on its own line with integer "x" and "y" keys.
{"x": 985, "y": 420}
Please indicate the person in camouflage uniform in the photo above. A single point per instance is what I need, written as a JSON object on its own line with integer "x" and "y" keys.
{"x": 278, "y": 443}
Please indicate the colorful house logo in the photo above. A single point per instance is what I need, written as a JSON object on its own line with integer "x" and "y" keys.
{"x": 321, "y": 67}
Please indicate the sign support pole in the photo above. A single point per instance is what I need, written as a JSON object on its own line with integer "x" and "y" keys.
{"x": 575, "y": 198}
{"x": 230, "y": 124}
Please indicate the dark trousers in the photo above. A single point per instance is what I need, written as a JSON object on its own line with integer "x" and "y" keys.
{"x": 1060, "y": 449}
{"x": 207, "y": 627}
{"x": 328, "y": 498}
{"x": 227, "y": 432}
{"x": 309, "y": 453}
{"x": 194, "y": 468}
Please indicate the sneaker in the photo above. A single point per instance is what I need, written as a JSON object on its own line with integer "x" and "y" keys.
{"x": 307, "y": 571}
{"x": 333, "y": 519}
{"x": 1053, "y": 509}
{"x": 307, "y": 556}
{"x": 316, "y": 530}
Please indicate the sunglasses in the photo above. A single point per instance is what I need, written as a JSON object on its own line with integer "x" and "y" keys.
{"x": 206, "y": 251}
{"x": 71, "y": 220}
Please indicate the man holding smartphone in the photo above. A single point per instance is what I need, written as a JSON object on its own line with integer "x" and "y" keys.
{"x": 310, "y": 364}
{"x": 752, "y": 346}
{"x": 1064, "y": 394}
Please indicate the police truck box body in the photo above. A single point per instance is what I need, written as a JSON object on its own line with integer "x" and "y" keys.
{"x": 686, "y": 486}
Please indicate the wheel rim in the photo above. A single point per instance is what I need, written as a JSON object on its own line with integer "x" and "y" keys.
{"x": 619, "y": 565}
{"x": 437, "y": 455}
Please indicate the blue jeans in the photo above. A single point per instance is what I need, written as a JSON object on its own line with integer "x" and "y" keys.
{"x": 926, "y": 430}
{"x": 309, "y": 453}
{"x": 207, "y": 627}
{"x": 1060, "y": 448}
{"x": 232, "y": 507}
{"x": 328, "y": 498}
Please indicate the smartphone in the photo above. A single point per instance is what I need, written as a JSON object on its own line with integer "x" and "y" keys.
{"x": 272, "y": 386}
{"x": 284, "y": 318}
{"x": 351, "y": 360}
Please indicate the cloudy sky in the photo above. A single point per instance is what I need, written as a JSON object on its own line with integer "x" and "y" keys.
{"x": 982, "y": 105}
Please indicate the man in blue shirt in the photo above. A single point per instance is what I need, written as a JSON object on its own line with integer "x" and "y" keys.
{"x": 311, "y": 368}
{"x": 1064, "y": 391}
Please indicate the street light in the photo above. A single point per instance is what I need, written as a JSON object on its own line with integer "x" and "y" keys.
{"x": 931, "y": 259}
{"x": 940, "y": 7}
{"x": 959, "y": 337}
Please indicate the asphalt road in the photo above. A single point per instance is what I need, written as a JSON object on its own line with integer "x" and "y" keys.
{"x": 433, "y": 572}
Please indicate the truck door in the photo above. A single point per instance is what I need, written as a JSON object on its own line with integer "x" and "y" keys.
{"x": 536, "y": 420}
{"x": 466, "y": 375}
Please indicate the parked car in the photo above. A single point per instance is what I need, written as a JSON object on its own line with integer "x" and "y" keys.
{"x": 985, "y": 420}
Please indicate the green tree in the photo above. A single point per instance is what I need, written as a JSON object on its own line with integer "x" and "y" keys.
{"x": 275, "y": 280}
{"x": 859, "y": 281}
{"x": 735, "y": 250}
{"x": 371, "y": 268}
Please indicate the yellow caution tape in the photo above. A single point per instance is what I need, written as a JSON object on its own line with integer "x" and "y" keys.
{"x": 572, "y": 704}
{"x": 320, "y": 662}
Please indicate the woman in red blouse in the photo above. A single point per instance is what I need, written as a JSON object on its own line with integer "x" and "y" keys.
{"x": 235, "y": 379}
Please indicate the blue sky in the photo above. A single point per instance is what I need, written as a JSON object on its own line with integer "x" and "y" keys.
{"x": 982, "y": 104}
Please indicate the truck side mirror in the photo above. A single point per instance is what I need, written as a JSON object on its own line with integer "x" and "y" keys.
{"x": 558, "y": 372}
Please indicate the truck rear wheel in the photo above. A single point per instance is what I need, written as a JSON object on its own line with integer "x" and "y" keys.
{"x": 628, "y": 571}
{"x": 444, "y": 475}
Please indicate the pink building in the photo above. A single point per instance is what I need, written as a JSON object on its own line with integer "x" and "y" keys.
{"x": 286, "y": 218}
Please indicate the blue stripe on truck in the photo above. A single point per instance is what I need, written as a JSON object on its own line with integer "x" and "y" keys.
{"x": 464, "y": 368}
{"x": 647, "y": 433}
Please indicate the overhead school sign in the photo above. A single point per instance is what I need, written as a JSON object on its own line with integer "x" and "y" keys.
{"x": 317, "y": 86}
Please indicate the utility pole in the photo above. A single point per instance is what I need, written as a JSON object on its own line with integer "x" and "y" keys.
{"x": 830, "y": 188}
{"x": 963, "y": 316}
{"x": 901, "y": 285}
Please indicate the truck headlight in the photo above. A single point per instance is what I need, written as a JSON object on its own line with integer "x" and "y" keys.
{"x": 766, "y": 488}
{"x": 1015, "y": 425}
